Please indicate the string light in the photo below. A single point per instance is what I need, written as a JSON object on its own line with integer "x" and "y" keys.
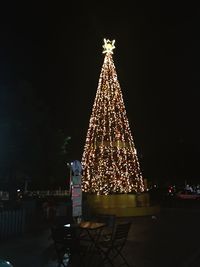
{"x": 110, "y": 162}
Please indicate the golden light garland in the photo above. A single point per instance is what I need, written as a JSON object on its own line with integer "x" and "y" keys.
{"x": 110, "y": 162}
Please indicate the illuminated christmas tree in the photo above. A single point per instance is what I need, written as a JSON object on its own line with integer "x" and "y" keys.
{"x": 110, "y": 162}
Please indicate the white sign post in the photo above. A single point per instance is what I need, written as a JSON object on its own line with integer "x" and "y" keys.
{"x": 76, "y": 191}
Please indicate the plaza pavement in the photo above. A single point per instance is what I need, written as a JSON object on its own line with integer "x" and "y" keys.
{"x": 169, "y": 239}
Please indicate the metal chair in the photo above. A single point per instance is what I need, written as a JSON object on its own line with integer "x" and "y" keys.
{"x": 112, "y": 248}
{"x": 110, "y": 221}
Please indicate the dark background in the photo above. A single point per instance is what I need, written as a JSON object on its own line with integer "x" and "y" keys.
{"x": 50, "y": 61}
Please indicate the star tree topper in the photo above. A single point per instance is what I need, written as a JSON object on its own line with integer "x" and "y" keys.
{"x": 108, "y": 46}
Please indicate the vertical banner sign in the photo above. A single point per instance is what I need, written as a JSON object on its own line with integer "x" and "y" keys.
{"x": 76, "y": 189}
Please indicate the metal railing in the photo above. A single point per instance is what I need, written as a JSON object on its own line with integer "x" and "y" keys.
{"x": 12, "y": 223}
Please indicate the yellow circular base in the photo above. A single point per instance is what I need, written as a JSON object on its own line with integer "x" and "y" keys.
{"x": 122, "y": 205}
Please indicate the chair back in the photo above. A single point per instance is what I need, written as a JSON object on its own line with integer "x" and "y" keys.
{"x": 111, "y": 248}
{"x": 120, "y": 233}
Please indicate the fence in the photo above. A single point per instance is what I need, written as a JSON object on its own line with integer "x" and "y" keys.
{"x": 12, "y": 223}
{"x": 45, "y": 193}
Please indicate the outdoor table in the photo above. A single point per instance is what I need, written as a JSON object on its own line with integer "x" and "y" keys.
{"x": 93, "y": 230}
{"x": 91, "y": 225}
{"x": 93, "y": 233}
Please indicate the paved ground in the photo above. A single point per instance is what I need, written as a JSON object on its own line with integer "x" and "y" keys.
{"x": 170, "y": 239}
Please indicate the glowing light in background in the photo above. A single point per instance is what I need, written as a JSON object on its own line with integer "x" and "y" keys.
{"x": 110, "y": 163}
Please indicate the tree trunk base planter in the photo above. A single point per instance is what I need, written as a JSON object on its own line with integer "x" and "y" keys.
{"x": 122, "y": 205}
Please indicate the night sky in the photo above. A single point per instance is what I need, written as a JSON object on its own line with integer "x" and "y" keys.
{"x": 57, "y": 49}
